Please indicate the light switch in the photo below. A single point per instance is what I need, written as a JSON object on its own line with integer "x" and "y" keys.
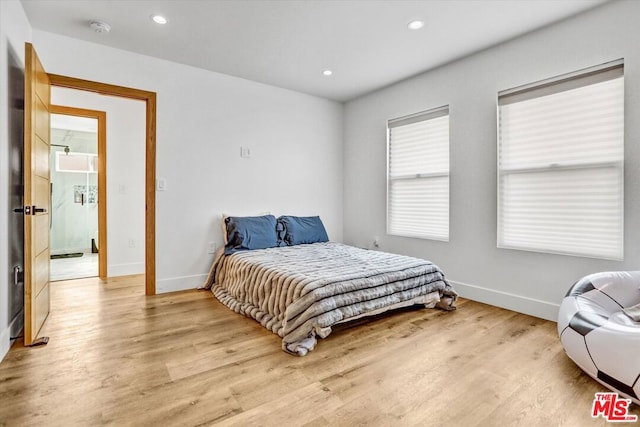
{"x": 245, "y": 152}
{"x": 161, "y": 184}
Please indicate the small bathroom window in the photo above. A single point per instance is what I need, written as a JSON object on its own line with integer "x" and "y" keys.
{"x": 76, "y": 162}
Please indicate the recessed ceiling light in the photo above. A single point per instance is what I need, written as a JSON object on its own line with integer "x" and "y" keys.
{"x": 100, "y": 27}
{"x": 415, "y": 25}
{"x": 327, "y": 73}
{"x": 159, "y": 19}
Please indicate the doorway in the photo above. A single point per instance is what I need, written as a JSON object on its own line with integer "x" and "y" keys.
{"x": 149, "y": 99}
{"x": 78, "y": 229}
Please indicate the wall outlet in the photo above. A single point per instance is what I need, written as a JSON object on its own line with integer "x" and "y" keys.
{"x": 376, "y": 241}
{"x": 245, "y": 152}
{"x": 211, "y": 248}
{"x": 132, "y": 243}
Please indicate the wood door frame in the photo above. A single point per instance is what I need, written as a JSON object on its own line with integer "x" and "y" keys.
{"x": 101, "y": 117}
{"x": 150, "y": 159}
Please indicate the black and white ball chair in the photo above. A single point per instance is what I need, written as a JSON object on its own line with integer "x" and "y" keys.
{"x": 599, "y": 327}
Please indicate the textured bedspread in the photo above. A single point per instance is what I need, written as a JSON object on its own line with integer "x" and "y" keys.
{"x": 300, "y": 291}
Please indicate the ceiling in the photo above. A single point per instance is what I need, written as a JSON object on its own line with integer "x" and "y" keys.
{"x": 288, "y": 43}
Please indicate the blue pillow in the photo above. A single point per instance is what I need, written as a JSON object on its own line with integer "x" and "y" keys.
{"x": 250, "y": 232}
{"x": 303, "y": 229}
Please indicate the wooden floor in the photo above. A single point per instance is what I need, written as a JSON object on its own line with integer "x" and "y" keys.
{"x": 117, "y": 357}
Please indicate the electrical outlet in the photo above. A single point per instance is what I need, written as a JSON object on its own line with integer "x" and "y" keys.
{"x": 245, "y": 152}
{"x": 376, "y": 241}
{"x": 132, "y": 243}
{"x": 211, "y": 248}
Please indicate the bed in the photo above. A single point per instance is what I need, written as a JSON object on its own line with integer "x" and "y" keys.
{"x": 299, "y": 291}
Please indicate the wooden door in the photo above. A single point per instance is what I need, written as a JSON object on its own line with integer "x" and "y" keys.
{"x": 37, "y": 197}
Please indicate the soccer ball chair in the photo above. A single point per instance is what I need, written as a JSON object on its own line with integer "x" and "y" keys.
{"x": 598, "y": 335}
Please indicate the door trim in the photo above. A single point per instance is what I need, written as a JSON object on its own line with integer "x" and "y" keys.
{"x": 101, "y": 116}
{"x": 150, "y": 159}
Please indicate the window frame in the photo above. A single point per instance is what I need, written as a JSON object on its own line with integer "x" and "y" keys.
{"x": 425, "y": 115}
{"x": 581, "y": 78}
{"x": 92, "y": 159}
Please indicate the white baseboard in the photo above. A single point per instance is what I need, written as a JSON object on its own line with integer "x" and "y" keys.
{"x": 115, "y": 270}
{"x": 17, "y": 324}
{"x": 14, "y": 329}
{"x": 180, "y": 283}
{"x": 530, "y": 306}
{"x": 5, "y": 342}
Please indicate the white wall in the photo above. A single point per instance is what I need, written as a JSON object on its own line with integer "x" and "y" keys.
{"x": 529, "y": 282}
{"x": 14, "y": 31}
{"x": 125, "y": 174}
{"x": 203, "y": 120}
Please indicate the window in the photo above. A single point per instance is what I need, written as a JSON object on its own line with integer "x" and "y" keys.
{"x": 418, "y": 175}
{"x": 76, "y": 162}
{"x": 560, "y": 164}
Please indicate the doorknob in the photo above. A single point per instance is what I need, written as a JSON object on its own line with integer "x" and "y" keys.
{"x": 30, "y": 210}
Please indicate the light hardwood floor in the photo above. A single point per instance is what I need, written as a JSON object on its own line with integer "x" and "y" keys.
{"x": 117, "y": 357}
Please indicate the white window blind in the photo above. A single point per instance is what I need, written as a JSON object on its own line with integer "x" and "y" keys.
{"x": 560, "y": 164}
{"x": 418, "y": 175}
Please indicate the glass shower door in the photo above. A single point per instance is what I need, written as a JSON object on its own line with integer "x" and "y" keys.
{"x": 74, "y": 199}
